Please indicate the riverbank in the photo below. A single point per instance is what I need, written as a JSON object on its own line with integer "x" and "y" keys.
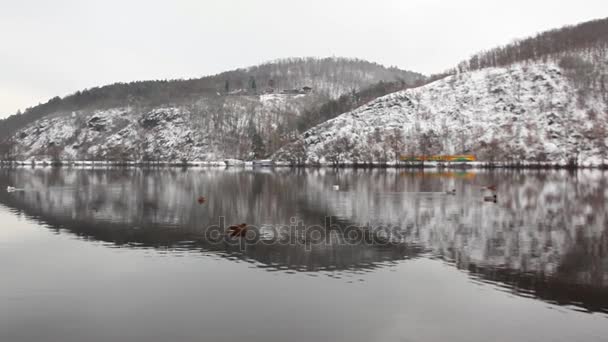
{"x": 233, "y": 163}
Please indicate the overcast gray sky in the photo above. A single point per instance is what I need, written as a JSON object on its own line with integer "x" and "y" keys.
{"x": 50, "y": 48}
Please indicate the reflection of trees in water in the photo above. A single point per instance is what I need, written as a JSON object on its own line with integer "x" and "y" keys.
{"x": 547, "y": 235}
{"x": 538, "y": 220}
{"x": 157, "y": 208}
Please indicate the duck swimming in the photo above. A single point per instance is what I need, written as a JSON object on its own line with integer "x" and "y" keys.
{"x": 490, "y": 198}
{"x": 238, "y": 230}
{"x": 201, "y": 200}
{"x": 451, "y": 192}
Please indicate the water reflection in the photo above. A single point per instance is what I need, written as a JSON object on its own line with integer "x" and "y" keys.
{"x": 545, "y": 237}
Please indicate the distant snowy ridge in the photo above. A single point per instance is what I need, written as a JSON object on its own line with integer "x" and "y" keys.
{"x": 534, "y": 112}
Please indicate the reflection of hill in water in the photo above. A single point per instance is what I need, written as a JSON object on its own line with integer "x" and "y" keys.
{"x": 158, "y": 209}
{"x": 548, "y": 233}
{"x": 546, "y": 237}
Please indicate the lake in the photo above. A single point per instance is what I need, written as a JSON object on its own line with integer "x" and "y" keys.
{"x": 387, "y": 255}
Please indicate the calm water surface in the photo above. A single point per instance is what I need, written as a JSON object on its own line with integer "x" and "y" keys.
{"x": 129, "y": 255}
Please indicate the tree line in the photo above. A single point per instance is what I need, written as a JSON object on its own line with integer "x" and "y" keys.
{"x": 590, "y": 37}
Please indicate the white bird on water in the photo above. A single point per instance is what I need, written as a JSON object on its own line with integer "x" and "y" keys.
{"x": 12, "y": 189}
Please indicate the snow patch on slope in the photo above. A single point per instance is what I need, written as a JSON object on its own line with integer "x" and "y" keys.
{"x": 210, "y": 129}
{"x": 527, "y": 112}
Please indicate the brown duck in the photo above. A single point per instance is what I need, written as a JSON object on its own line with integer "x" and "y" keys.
{"x": 238, "y": 230}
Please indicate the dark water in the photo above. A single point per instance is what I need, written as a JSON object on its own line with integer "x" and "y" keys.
{"x": 129, "y": 255}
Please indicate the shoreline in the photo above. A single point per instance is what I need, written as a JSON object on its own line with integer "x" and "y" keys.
{"x": 462, "y": 166}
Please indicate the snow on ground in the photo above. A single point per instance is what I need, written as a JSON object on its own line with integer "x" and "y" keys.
{"x": 529, "y": 112}
{"x": 205, "y": 131}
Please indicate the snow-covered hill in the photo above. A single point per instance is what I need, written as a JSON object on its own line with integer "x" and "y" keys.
{"x": 244, "y": 113}
{"x": 211, "y": 129}
{"x": 545, "y": 112}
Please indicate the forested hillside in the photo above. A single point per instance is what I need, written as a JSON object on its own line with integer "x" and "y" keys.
{"x": 542, "y": 99}
{"x": 539, "y": 99}
{"x": 244, "y": 113}
{"x": 588, "y": 39}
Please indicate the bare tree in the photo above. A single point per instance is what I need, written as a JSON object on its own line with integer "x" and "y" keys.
{"x": 54, "y": 151}
{"x": 7, "y": 150}
{"x": 429, "y": 143}
{"x": 599, "y": 134}
{"x": 295, "y": 152}
{"x": 336, "y": 152}
{"x": 396, "y": 142}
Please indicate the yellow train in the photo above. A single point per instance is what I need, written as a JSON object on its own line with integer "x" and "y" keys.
{"x": 455, "y": 158}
